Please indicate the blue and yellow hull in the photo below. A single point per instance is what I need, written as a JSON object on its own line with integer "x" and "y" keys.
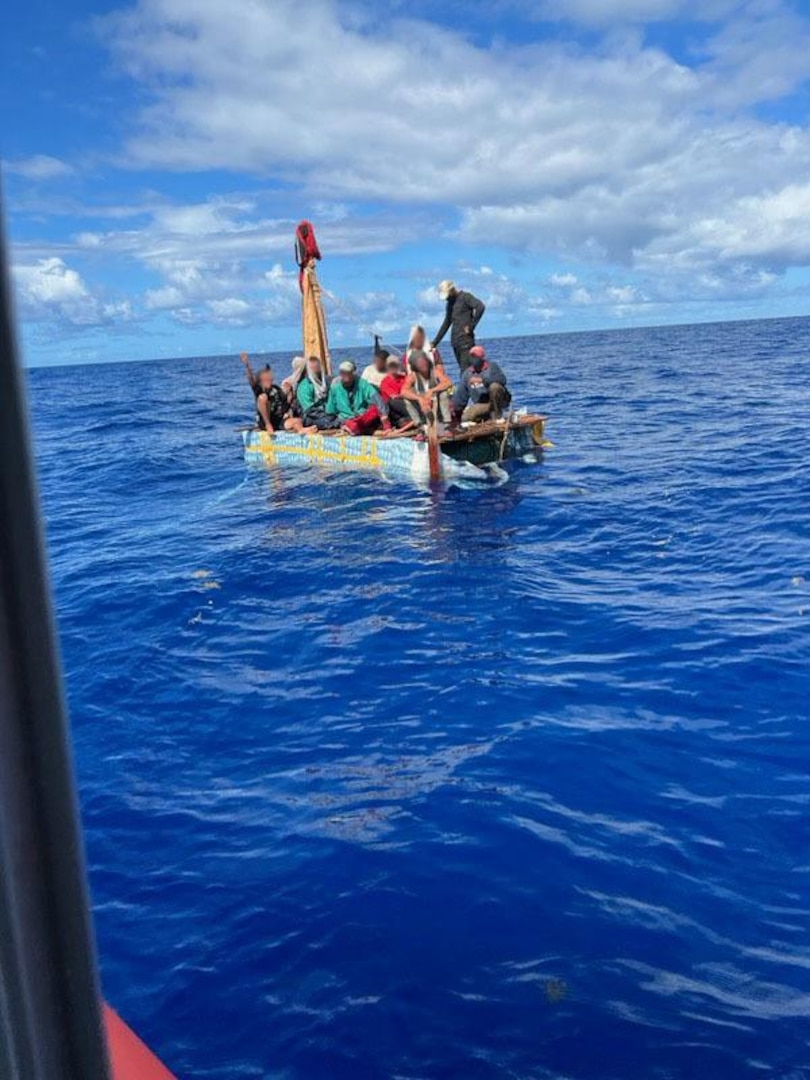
{"x": 466, "y": 458}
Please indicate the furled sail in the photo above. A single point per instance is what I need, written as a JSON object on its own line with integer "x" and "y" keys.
{"x": 313, "y": 318}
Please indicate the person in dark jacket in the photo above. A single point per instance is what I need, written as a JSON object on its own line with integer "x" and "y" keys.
{"x": 273, "y": 409}
{"x": 482, "y": 393}
{"x": 272, "y": 405}
{"x": 464, "y": 313}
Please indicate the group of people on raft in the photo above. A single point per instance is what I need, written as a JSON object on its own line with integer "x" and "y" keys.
{"x": 394, "y": 394}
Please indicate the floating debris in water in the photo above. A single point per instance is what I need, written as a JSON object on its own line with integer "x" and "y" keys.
{"x": 797, "y": 580}
{"x": 556, "y": 990}
{"x": 205, "y": 579}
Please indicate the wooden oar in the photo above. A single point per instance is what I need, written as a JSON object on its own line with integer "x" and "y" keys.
{"x": 434, "y": 453}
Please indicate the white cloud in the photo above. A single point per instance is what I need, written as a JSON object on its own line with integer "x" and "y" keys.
{"x": 211, "y": 218}
{"x": 50, "y": 281}
{"x": 624, "y": 294}
{"x": 48, "y": 290}
{"x": 534, "y": 306}
{"x": 606, "y": 13}
{"x": 232, "y": 311}
{"x": 773, "y": 226}
{"x": 39, "y": 167}
{"x": 229, "y": 227}
{"x": 509, "y": 301}
{"x": 620, "y": 154}
{"x": 207, "y": 255}
{"x": 657, "y": 179}
{"x": 567, "y": 289}
{"x": 581, "y": 296}
{"x": 164, "y": 299}
{"x": 758, "y": 57}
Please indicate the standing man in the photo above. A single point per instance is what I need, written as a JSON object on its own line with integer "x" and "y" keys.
{"x": 464, "y": 313}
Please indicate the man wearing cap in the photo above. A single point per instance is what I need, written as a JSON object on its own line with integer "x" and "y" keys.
{"x": 464, "y": 313}
{"x": 355, "y": 402}
{"x": 482, "y": 393}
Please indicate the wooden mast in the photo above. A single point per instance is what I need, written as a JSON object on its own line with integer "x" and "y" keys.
{"x": 313, "y": 319}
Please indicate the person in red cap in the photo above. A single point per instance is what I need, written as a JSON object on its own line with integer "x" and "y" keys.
{"x": 481, "y": 393}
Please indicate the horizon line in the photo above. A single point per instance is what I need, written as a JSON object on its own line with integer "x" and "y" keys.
{"x": 502, "y": 337}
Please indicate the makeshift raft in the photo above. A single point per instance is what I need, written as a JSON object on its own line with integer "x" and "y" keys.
{"x": 475, "y": 453}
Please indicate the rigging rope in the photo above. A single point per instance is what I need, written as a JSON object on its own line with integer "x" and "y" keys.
{"x": 353, "y": 315}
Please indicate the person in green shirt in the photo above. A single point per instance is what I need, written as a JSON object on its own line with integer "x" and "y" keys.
{"x": 311, "y": 394}
{"x": 355, "y": 402}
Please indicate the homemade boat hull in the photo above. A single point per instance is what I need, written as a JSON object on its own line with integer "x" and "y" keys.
{"x": 473, "y": 455}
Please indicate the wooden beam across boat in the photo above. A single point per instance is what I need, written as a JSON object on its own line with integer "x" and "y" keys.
{"x": 487, "y": 428}
{"x": 482, "y": 429}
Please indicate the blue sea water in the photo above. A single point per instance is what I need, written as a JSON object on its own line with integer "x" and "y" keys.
{"x": 388, "y": 784}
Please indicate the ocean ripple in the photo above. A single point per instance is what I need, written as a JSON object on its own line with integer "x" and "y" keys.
{"x": 386, "y": 783}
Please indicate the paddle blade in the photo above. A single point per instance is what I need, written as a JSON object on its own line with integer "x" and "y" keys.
{"x": 434, "y": 453}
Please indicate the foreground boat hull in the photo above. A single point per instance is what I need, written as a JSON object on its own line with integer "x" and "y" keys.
{"x": 464, "y": 459}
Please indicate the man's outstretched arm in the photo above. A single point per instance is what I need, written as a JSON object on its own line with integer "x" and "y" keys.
{"x": 251, "y": 378}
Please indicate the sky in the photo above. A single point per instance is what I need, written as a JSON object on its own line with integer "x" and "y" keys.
{"x": 628, "y": 162}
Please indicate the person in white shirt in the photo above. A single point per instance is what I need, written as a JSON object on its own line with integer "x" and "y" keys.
{"x": 375, "y": 372}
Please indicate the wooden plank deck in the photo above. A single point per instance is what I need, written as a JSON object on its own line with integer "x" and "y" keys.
{"x": 482, "y": 430}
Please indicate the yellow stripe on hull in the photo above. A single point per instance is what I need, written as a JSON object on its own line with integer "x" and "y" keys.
{"x": 403, "y": 457}
{"x": 363, "y": 456}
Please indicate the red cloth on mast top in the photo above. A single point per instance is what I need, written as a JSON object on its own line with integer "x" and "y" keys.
{"x": 306, "y": 246}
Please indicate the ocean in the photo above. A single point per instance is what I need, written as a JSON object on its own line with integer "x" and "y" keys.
{"x": 380, "y": 783}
